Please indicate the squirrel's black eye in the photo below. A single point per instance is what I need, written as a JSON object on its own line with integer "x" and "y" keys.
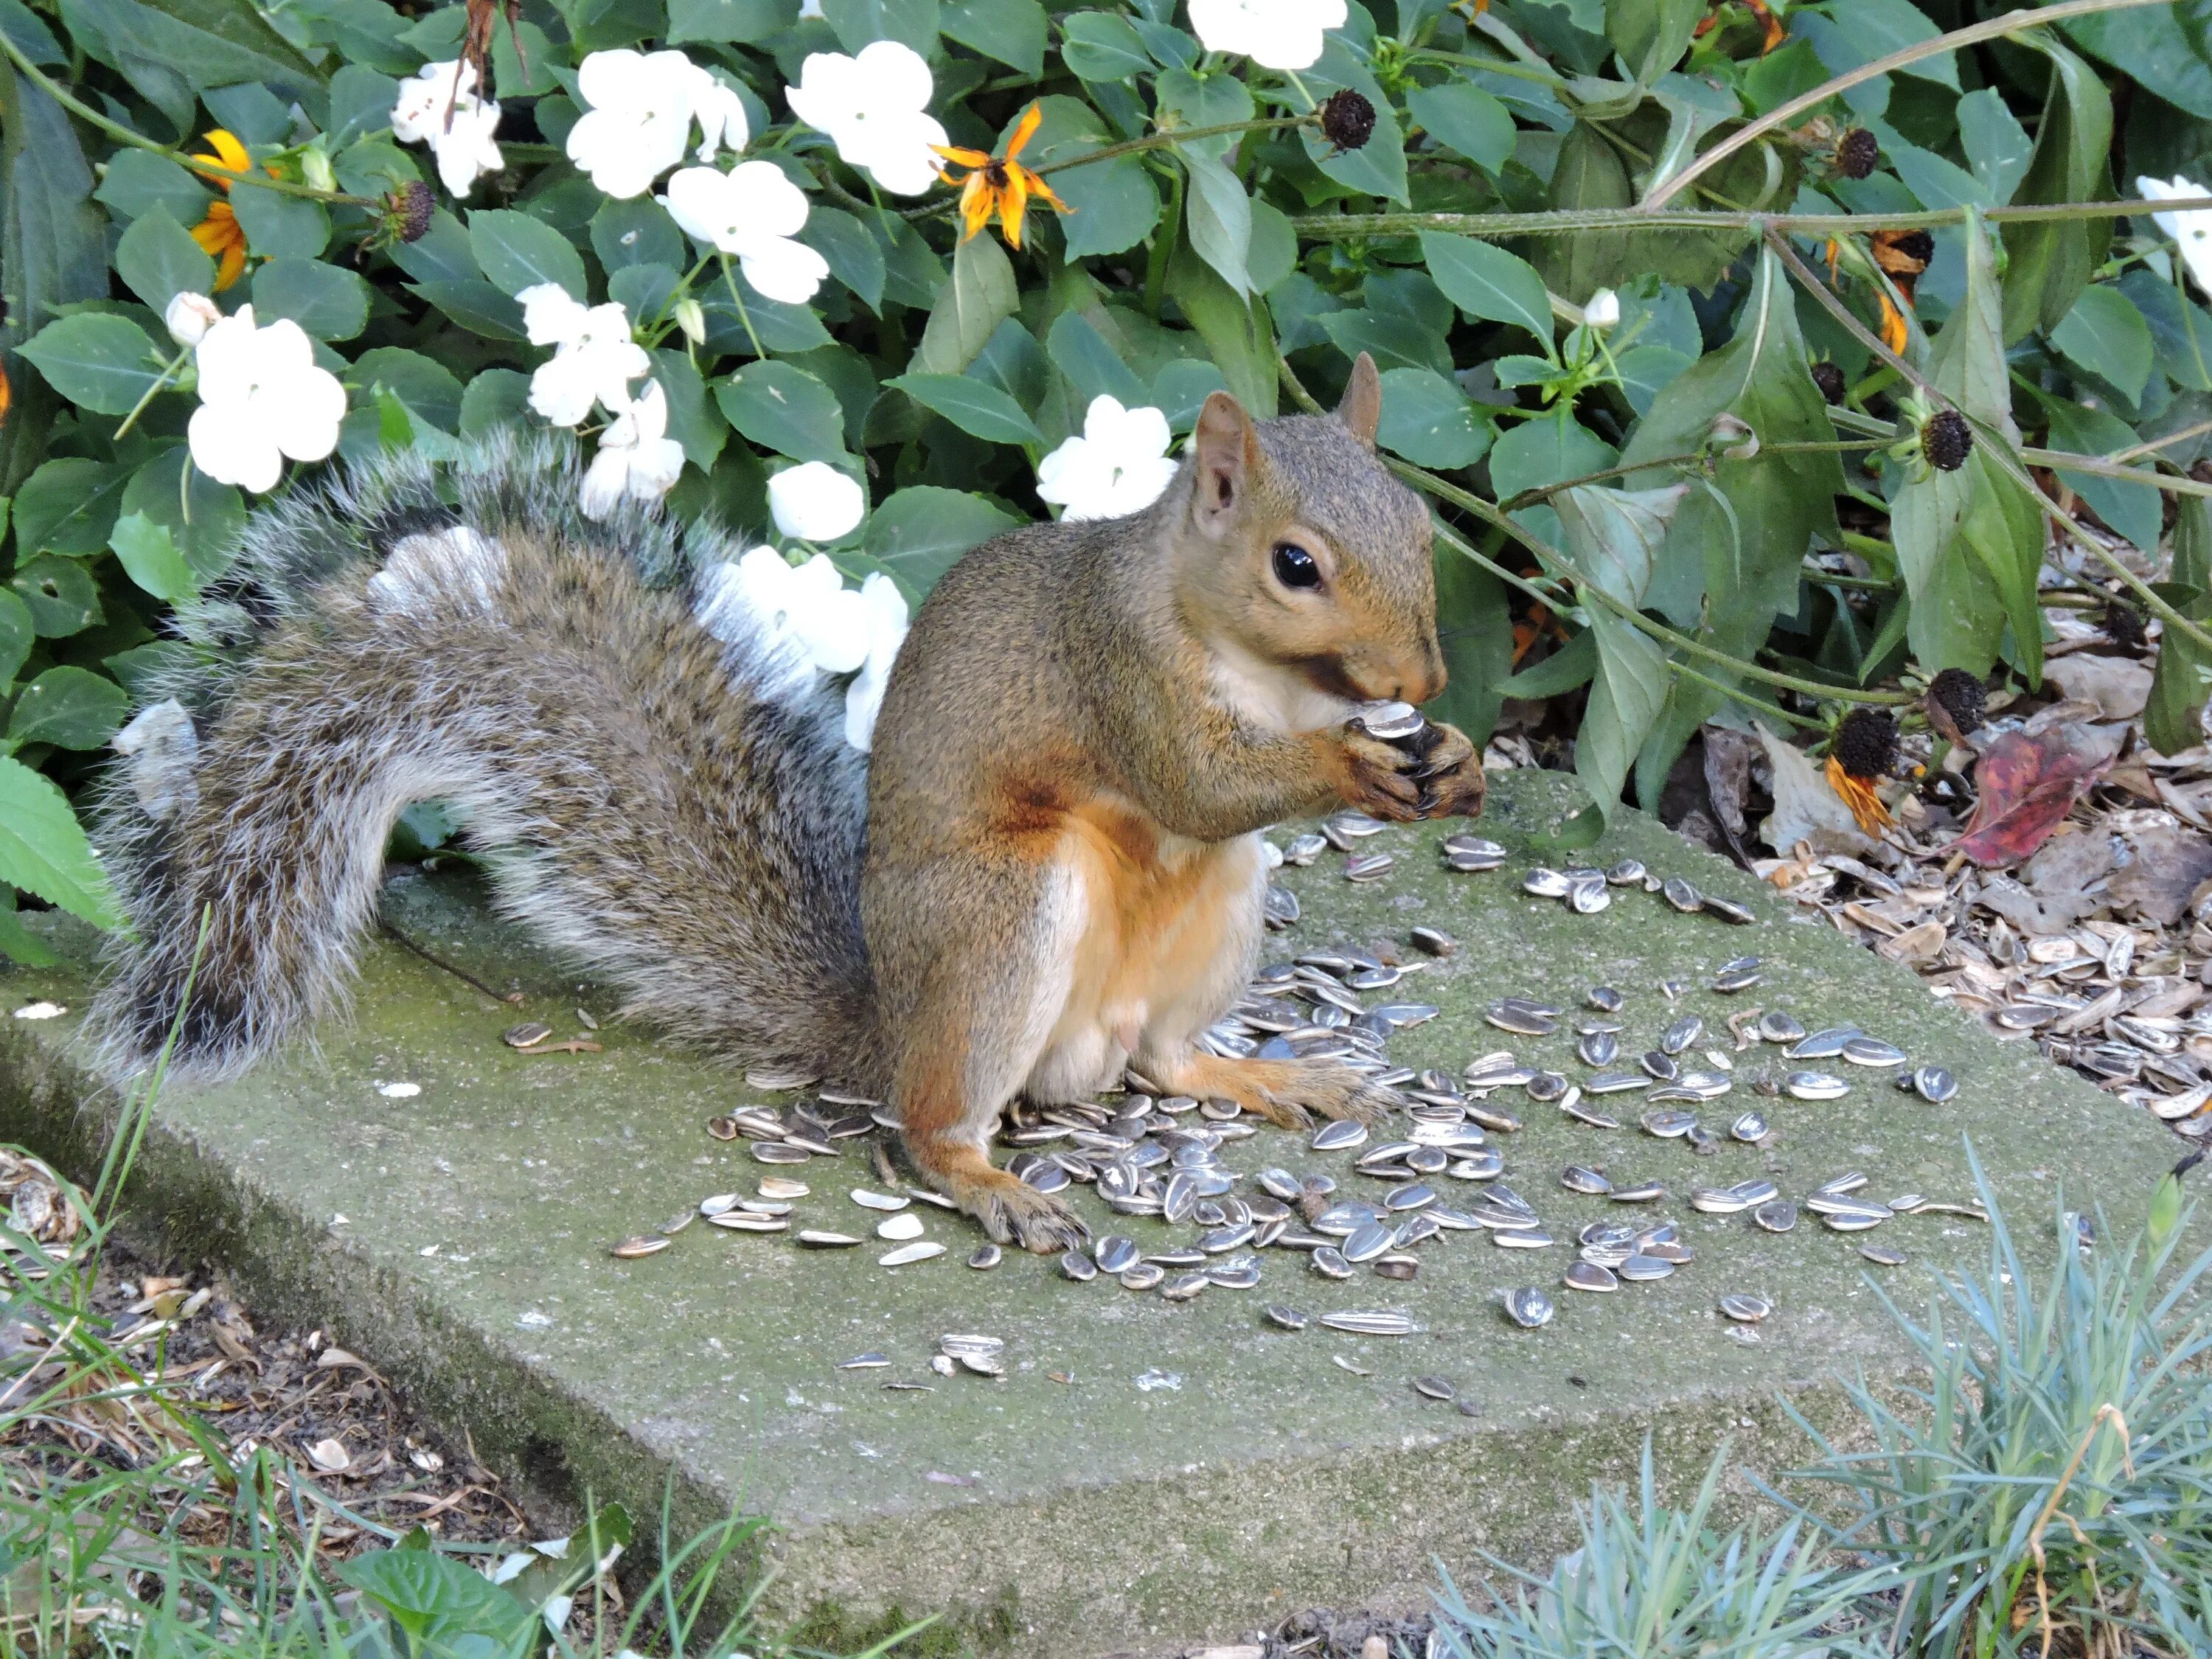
{"x": 1295, "y": 567}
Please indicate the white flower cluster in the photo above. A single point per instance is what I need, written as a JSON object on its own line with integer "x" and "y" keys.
{"x": 1277, "y": 34}
{"x": 595, "y": 360}
{"x": 2191, "y": 231}
{"x": 640, "y": 109}
{"x": 438, "y": 106}
{"x": 811, "y": 623}
{"x": 262, "y": 397}
{"x": 1120, "y": 465}
{"x": 875, "y": 107}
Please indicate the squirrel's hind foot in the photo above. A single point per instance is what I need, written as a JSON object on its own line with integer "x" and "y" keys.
{"x": 1289, "y": 1093}
{"x": 1013, "y": 1213}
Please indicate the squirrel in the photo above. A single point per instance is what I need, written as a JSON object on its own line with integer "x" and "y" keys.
{"x": 1048, "y": 869}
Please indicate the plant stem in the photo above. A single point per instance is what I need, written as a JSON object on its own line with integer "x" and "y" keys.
{"x": 1563, "y": 222}
{"x": 2152, "y": 445}
{"x": 1994, "y": 28}
{"x": 1495, "y": 65}
{"x": 2067, "y": 461}
{"x": 123, "y": 135}
{"x": 737, "y": 298}
{"x": 168, "y": 373}
{"x": 2005, "y": 462}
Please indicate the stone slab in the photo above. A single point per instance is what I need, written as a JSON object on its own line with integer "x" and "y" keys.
{"x": 1148, "y": 1474}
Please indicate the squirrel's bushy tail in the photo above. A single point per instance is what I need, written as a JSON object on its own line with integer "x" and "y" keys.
{"x": 678, "y": 812}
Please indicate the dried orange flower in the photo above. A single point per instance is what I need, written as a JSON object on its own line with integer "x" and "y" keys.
{"x": 1000, "y": 186}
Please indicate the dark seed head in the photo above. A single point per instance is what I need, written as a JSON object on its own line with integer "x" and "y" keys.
{"x": 1916, "y": 245}
{"x": 412, "y": 205}
{"x": 1347, "y": 119}
{"x": 1857, "y": 151}
{"x": 1829, "y": 380}
{"x": 1960, "y": 696}
{"x": 1946, "y": 440}
{"x": 2124, "y": 625}
{"x": 1866, "y": 743}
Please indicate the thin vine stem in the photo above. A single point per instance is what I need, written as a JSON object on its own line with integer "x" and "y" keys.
{"x": 2152, "y": 445}
{"x": 2004, "y": 460}
{"x": 1567, "y": 221}
{"x": 1533, "y": 496}
{"x": 122, "y": 135}
{"x": 1994, "y": 28}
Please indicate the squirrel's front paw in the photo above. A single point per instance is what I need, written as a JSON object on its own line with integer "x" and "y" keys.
{"x": 1379, "y": 778}
{"x": 1450, "y": 774}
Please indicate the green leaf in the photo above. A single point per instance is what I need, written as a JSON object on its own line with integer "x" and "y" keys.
{"x": 137, "y": 181}
{"x": 1545, "y": 451}
{"x": 1217, "y": 216}
{"x": 2162, "y": 47}
{"x": 741, "y": 22}
{"x": 205, "y": 519}
{"x": 1627, "y": 696}
{"x": 517, "y": 251}
{"x": 328, "y": 301}
{"x": 1652, "y": 36}
{"x": 152, "y": 558}
{"x": 2173, "y": 718}
{"x": 61, "y": 595}
{"x": 785, "y": 409}
{"x": 1377, "y": 167}
{"x": 496, "y": 397}
{"x": 1114, "y": 204}
{"x": 854, "y": 256}
{"x": 69, "y": 708}
{"x": 692, "y": 421}
{"x": 859, "y": 22}
{"x": 2105, "y": 335}
{"x": 97, "y": 360}
{"x": 1236, "y": 331}
{"x": 1613, "y": 537}
{"x": 17, "y": 636}
{"x": 43, "y": 850}
{"x": 68, "y": 505}
{"x": 974, "y": 407}
{"x": 277, "y": 225}
{"x": 2131, "y": 509}
{"x": 440, "y": 1605}
{"x": 1101, "y": 46}
{"x": 638, "y": 233}
{"x": 158, "y": 258}
{"x": 1466, "y": 120}
{"x": 921, "y": 530}
{"x": 2049, "y": 264}
{"x": 1427, "y": 419}
{"x": 53, "y": 249}
{"x": 1093, "y": 368}
{"x": 1474, "y": 627}
{"x": 20, "y": 943}
{"x": 171, "y": 51}
{"x": 1485, "y": 281}
{"x": 1014, "y": 31}
{"x": 1997, "y": 147}
{"x": 981, "y": 295}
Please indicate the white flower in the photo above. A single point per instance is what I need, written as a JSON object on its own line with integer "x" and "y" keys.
{"x": 261, "y": 397}
{"x": 636, "y": 457}
{"x": 1603, "y": 311}
{"x": 1118, "y": 466}
{"x": 875, "y": 108}
{"x": 638, "y": 122}
{"x": 886, "y": 632}
{"x": 806, "y": 604}
{"x": 1279, "y": 34}
{"x": 2191, "y": 231}
{"x": 595, "y": 360}
{"x": 816, "y": 503}
{"x": 753, "y": 211}
{"x": 190, "y": 316}
{"x": 438, "y": 106}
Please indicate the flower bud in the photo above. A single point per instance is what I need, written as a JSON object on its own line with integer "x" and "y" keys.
{"x": 1603, "y": 310}
{"x": 1856, "y": 152}
{"x": 691, "y": 318}
{"x": 190, "y": 316}
{"x": 1946, "y": 440}
{"x": 315, "y": 168}
{"x": 1830, "y": 379}
{"x": 409, "y": 210}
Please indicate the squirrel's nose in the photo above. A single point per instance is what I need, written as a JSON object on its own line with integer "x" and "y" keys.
{"x": 1426, "y": 679}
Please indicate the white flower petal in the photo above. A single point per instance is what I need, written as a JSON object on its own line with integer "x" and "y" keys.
{"x": 233, "y": 452}
{"x": 816, "y": 503}
{"x": 781, "y": 268}
{"x": 551, "y": 315}
{"x": 874, "y": 107}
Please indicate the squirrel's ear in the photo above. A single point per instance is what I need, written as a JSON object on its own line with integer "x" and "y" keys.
{"x": 1228, "y": 451}
{"x": 1362, "y": 407}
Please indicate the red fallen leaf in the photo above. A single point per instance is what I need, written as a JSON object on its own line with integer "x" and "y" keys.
{"x": 2029, "y": 784}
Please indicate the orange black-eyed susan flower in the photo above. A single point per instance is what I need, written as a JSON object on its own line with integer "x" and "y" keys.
{"x": 220, "y": 234}
{"x": 1858, "y": 794}
{"x": 1863, "y": 752}
{"x": 1776, "y": 33}
{"x": 1000, "y": 185}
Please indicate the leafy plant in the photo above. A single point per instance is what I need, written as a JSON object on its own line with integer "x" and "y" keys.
{"x": 1603, "y": 253}
{"x": 2053, "y": 1479}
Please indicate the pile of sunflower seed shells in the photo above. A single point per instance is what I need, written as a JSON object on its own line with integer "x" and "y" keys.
{"x": 1203, "y": 1212}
